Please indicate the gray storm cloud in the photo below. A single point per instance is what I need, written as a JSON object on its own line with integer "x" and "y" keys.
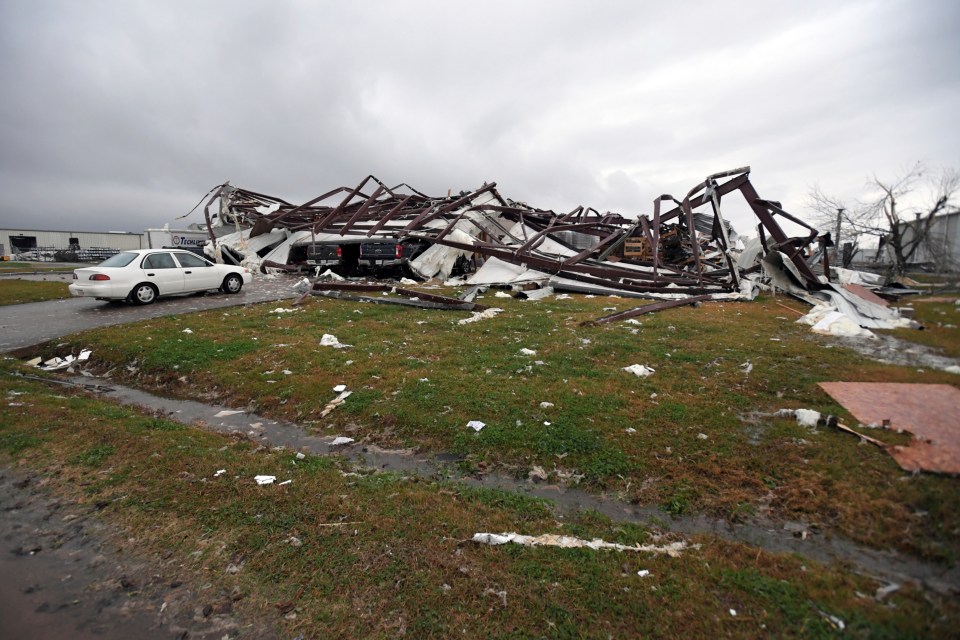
{"x": 120, "y": 115}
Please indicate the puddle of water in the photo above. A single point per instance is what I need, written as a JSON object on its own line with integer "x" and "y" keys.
{"x": 769, "y": 536}
{"x": 890, "y": 350}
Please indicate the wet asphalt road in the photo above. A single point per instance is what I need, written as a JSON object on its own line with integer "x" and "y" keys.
{"x": 24, "y": 325}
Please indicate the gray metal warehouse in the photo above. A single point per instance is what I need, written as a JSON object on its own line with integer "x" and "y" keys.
{"x": 41, "y": 245}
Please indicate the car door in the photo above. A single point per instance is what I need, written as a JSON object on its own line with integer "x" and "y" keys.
{"x": 198, "y": 274}
{"x": 160, "y": 269}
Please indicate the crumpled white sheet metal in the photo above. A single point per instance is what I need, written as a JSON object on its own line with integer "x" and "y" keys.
{"x": 438, "y": 260}
{"x": 242, "y": 243}
{"x": 672, "y": 549}
{"x": 496, "y": 271}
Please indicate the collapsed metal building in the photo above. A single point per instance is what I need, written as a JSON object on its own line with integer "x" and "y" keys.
{"x": 684, "y": 247}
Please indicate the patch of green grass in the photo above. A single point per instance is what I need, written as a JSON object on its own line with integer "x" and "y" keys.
{"x": 24, "y": 291}
{"x": 94, "y": 456}
{"x": 191, "y": 353}
{"x": 941, "y": 322}
{"x": 17, "y": 442}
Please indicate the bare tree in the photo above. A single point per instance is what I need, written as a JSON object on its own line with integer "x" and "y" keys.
{"x": 905, "y": 237}
{"x": 883, "y": 214}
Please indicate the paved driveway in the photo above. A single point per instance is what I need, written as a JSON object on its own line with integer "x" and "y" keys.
{"x": 23, "y": 325}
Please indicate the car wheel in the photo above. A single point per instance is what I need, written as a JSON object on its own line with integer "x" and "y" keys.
{"x": 232, "y": 283}
{"x": 144, "y": 293}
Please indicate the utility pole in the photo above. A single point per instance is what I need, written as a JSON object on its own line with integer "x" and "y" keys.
{"x": 836, "y": 238}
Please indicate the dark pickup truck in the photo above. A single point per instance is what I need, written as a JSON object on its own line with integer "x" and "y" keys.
{"x": 323, "y": 255}
{"x": 360, "y": 258}
{"x": 389, "y": 253}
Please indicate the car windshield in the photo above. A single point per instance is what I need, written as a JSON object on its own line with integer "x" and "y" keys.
{"x": 119, "y": 260}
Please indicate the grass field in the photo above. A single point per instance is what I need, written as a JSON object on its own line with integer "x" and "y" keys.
{"x": 692, "y": 438}
{"x": 22, "y": 291}
{"x": 349, "y": 552}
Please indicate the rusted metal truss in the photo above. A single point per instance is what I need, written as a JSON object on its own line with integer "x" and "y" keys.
{"x": 683, "y": 247}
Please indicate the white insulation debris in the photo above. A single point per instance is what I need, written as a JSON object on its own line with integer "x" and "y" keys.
{"x": 476, "y": 316}
{"x": 672, "y": 549}
{"x": 639, "y": 370}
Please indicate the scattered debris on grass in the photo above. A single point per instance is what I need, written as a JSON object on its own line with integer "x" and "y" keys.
{"x": 262, "y": 480}
{"x": 672, "y": 549}
{"x": 476, "y": 425}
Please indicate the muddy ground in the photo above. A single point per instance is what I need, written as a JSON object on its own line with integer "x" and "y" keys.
{"x": 66, "y": 575}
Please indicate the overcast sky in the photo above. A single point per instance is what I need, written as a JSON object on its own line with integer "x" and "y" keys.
{"x": 120, "y": 115}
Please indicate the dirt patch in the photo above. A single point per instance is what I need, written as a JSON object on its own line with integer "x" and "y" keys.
{"x": 65, "y": 575}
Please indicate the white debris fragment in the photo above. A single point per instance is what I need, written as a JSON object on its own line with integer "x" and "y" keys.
{"x": 226, "y": 413}
{"x": 733, "y": 612}
{"x": 747, "y": 367}
{"x": 219, "y": 473}
{"x": 330, "y": 275}
{"x": 262, "y": 480}
{"x": 328, "y": 340}
{"x": 336, "y": 402}
{"x": 476, "y": 316}
{"x": 502, "y": 294}
{"x": 339, "y": 440}
{"x": 424, "y": 379}
{"x": 539, "y": 294}
{"x": 702, "y": 436}
{"x": 34, "y": 362}
{"x": 527, "y": 352}
{"x": 340, "y": 388}
{"x": 633, "y": 321}
{"x": 282, "y": 310}
{"x": 84, "y": 355}
{"x": 285, "y": 482}
{"x": 476, "y": 425}
{"x": 672, "y": 549}
{"x": 546, "y": 405}
{"x": 643, "y": 573}
{"x": 287, "y": 372}
{"x": 952, "y": 369}
{"x": 807, "y": 417}
{"x": 407, "y": 281}
{"x": 630, "y": 430}
{"x": 639, "y": 370}
{"x": 188, "y": 331}
{"x": 300, "y": 455}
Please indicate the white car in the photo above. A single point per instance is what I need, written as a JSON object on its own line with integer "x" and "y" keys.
{"x": 143, "y": 275}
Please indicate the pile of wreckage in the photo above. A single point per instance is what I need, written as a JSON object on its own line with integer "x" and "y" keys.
{"x": 684, "y": 251}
